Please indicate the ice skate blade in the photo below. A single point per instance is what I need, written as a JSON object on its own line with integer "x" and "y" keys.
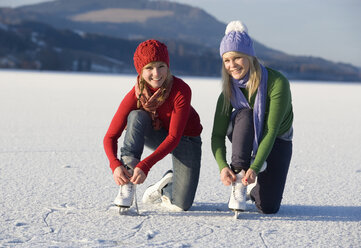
{"x": 121, "y": 206}
{"x": 123, "y": 210}
{"x": 127, "y": 211}
{"x": 237, "y": 214}
{"x": 238, "y": 210}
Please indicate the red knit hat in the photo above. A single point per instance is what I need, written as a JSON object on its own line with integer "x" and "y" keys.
{"x": 150, "y": 51}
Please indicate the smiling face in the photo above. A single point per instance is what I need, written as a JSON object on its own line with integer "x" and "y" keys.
{"x": 155, "y": 74}
{"x": 236, "y": 64}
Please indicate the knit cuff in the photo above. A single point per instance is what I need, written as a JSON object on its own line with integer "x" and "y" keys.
{"x": 114, "y": 164}
{"x": 144, "y": 167}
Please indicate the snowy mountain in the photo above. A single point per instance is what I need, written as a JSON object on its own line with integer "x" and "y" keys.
{"x": 127, "y": 19}
{"x": 94, "y": 35}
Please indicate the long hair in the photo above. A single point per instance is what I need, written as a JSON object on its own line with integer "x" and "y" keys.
{"x": 253, "y": 82}
{"x": 167, "y": 81}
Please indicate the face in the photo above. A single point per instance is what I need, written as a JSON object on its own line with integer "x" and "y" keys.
{"x": 236, "y": 65}
{"x": 155, "y": 74}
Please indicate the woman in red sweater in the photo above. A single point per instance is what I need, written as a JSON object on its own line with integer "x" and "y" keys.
{"x": 157, "y": 113}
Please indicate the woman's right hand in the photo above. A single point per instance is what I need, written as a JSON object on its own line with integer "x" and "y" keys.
{"x": 121, "y": 175}
{"x": 227, "y": 176}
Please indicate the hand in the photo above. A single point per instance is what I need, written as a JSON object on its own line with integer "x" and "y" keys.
{"x": 249, "y": 178}
{"x": 121, "y": 175}
{"x": 138, "y": 176}
{"x": 227, "y": 176}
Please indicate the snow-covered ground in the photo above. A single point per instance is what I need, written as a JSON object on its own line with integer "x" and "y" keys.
{"x": 57, "y": 188}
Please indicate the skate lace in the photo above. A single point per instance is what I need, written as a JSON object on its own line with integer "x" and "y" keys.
{"x": 126, "y": 190}
{"x": 239, "y": 191}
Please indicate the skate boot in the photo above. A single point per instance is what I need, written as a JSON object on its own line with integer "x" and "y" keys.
{"x": 125, "y": 196}
{"x": 127, "y": 192}
{"x": 237, "y": 201}
{"x": 153, "y": 193}
{"x": 249, "y": 189}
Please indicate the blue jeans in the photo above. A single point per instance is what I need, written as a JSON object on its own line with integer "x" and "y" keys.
{"x": 186, "y": 157}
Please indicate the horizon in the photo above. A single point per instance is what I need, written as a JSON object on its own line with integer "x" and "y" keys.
{"x": 331, "y": 34}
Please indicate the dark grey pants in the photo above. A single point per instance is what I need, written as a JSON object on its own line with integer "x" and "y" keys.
{"x": 186, "y": 157}
{"x": 268, "y": 192}
{"x": 242, "y": 140}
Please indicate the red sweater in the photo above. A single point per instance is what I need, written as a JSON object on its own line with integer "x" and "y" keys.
{"x": 176, "y": 114}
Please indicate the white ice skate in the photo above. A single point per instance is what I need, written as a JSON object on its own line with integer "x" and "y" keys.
{"x": 153, "y": 193}
{"x": 127, "y": 192}
{"x": 249, "y": 189}
{"x": 125, "y": 197}
{"x": 237, "y": 201}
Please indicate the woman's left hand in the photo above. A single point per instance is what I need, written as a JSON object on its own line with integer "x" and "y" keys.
{"x": 249, "y": 178}
{"x": 138, "y": 176}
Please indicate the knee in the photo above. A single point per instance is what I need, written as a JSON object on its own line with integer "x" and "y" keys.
{"x": 245, "y": 118}
{"x": 245, "y": 113}
{"x": 186, "y": 206}
{"x": 269, "y": 208}
{"x": 138, "y": 116}
{"x": 183, "y": 204}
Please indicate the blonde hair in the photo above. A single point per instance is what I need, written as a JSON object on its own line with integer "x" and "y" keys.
{"x": 253, "y": 82}
{"x": 167, "y": 81}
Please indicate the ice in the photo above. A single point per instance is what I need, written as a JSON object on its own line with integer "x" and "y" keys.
{"x": 57, "y": 189}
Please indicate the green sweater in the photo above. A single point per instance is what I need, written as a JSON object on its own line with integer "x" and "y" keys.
{"x": 278, "y": 120}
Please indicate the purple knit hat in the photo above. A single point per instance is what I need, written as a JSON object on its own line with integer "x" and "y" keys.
{"x": 236, "y": 39}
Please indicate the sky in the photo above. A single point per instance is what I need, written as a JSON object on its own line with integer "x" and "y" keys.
{"x": 323, "y": 28}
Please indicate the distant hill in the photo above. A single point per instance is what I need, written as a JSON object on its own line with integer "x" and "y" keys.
{"x": 102, "y": 36}
{"x": 31, "y": 45}
{"x": 135, "y": 19}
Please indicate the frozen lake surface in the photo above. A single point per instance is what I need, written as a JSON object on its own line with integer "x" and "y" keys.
{"x": 57, "y": 189}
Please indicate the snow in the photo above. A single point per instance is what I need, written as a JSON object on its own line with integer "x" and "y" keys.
{"x": 57, "y": 188}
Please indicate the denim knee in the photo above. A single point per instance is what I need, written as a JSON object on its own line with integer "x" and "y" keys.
{"x": 138, "y": 116}
{"x": 138, "y": 125}
{"x": 186, "y": 207}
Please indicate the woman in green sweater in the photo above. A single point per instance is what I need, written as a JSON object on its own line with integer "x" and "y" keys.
{"x": 254, "y": 111}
